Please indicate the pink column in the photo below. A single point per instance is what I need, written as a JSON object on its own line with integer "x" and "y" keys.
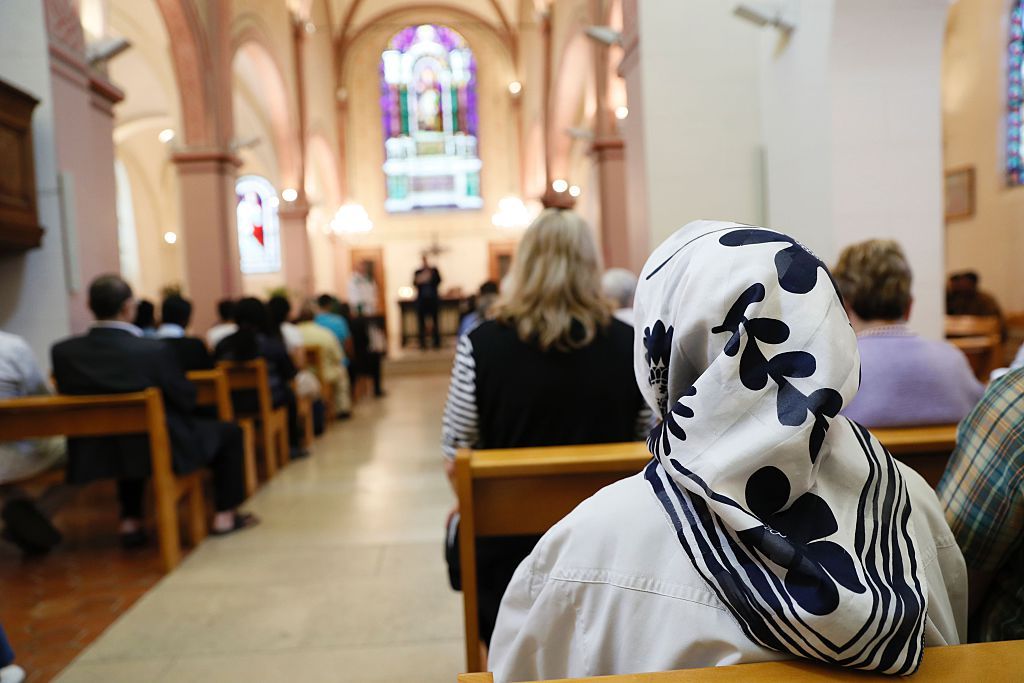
{"x": 298, "y": 261}
{"x": 206, "y": 181}
{"x": 609, "y": 153}
{"x": 83, "y": 103}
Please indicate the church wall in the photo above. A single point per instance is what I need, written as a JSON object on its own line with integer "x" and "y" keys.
{"x": 974, "y": 111}
{"x": 852, "y": 133}
{"x": 33, "y": 296}
{"x": 404, "y": 236}
{"x": 693, "y": 94}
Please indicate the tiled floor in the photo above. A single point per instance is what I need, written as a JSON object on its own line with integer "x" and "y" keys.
{"x": 343, "y": 581}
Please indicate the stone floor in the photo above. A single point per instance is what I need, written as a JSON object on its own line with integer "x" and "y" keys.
{"x": 343, "y": 581}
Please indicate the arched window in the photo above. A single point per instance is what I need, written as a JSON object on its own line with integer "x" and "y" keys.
{"x": 259, "y": 237}
{"x": 429, "y": 108}
{"x": 1015, "y": 96}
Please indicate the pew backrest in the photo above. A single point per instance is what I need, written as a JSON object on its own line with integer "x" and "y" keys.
{"x": 525, "y": 491}
{"x": 250, "y": 375}
{"x": 212, "y": 389}
{"x": 990, "y": 662}
{"x": 113, "y": 415}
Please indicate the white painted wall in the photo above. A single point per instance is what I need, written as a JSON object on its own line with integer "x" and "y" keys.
{"x": 853, "y": 134}
{"x": 33, "y": 295}
{"x": 694, "y": 93}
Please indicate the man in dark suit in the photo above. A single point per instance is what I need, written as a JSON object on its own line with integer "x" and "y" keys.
{"x": 427, "y": 279}
{"x": 175, "y": 315}
{"x": 113, "y": 358}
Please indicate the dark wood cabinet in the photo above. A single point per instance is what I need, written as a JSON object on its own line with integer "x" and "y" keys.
{"x": 19, "y": 216}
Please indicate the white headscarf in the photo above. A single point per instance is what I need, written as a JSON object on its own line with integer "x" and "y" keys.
{"x": 797, "y": 519}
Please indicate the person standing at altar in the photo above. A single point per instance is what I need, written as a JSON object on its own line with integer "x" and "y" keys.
{"x": 427, "y": 279}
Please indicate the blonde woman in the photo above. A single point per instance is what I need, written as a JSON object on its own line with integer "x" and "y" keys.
{"x": 551, "y": 367}
{"x": 906, "y": 380}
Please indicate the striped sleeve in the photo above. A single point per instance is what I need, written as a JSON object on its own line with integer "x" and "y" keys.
{"x": 459, "y": 427}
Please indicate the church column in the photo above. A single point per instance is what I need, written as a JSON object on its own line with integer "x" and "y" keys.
{"x": 206, "y": 182}
{"x": 608, "y": 150}
{"x": 298, "y": 262}
{"x": 298, "y": 267}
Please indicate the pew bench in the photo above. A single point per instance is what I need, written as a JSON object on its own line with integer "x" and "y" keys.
{"x": 272, "y": 423}
{"x": 525, "y": 491}
{"x": 111, "y": 415}
{"x": 990, "y": 662}
{"x": 212, "y": 390}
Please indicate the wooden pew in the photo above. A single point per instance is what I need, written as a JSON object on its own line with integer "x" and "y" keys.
{"x": 926, "y": 449}
{"x": 980, "y": 338}
{"x": 212, "y": 390}
{"x": 118, "y": 414}
{"x": 304, "y": 408}
{"x": 315, "y": 360}
{"x": 272, "y": 423}
{"x": 990, "y": 662}
{"x": 493, "y": 488}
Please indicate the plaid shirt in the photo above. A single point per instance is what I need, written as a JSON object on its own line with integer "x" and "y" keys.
{"x": 982, "y": 493}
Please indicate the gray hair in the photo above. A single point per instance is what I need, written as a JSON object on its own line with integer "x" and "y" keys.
{"x": 619, "y": 285}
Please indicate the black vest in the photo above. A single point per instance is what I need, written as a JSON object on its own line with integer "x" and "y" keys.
{"x": 528, "y": 397}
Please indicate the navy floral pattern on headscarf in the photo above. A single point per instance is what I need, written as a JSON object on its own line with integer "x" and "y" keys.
{"x": 798, "y": 520}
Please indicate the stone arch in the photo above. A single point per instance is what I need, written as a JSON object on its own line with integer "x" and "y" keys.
{"x": 191, "y": 58}
{"x": 250, "y": 42}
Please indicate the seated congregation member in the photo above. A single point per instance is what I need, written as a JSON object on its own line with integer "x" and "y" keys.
{"x": 905, "y": 379}
{"x": 765, "y": 527}
{"x": 552, "y": 367}
{"x": 963, "y": 297}
{"x": 333, "y": 358}
{"x": 984, "y": 499}
{"x": 256, "y": 338}
{"x": 145, "y": 318}
{"x": 175, "y": 315}
{"x": 9, "y": 671}
{"x": 619, "y": 285}
{"x": 279, "y": 308}
{"x": 327, "y": 316}
{"x": 482, "y": 304}
{"x": 113, "y": 358}
{"x": 226, "y": 326}
{"x": 25, "y": 521}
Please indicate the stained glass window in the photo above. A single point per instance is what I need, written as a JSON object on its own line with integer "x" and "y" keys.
{"x": 429, "y": 111}
{"x": 1015, "y": 96}
{"x": 259, "y": 236}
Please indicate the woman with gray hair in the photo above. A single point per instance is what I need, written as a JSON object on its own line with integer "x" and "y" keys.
{"x": 619, "y": 285}
{"x": 552, "y": 367}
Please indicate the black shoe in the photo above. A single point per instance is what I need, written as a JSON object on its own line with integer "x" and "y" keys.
{"x": 298, "y": 452}
{"x": 343, "y": 416}
{"x": 134, "y": 539}
{"x": 28, "y": 528}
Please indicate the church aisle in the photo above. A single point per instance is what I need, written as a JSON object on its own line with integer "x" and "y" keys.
{"x": 344, "y": 580}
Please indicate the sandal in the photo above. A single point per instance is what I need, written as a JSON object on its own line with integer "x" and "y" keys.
{"x": 243, "y": 520}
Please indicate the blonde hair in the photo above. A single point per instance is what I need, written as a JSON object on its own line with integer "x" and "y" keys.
{"x": 874, "y": 278}
{"x": 553, "y": 298}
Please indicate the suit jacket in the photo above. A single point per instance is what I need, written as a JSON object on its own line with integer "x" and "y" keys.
{"x": 192, "y": 353}
{"x": 113, "y": 361}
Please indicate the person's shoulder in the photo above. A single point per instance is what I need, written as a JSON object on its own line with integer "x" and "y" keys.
{"x": 621, "y": 332}
{"x": 490, "y": 331}
{"x": 619, "y": 531}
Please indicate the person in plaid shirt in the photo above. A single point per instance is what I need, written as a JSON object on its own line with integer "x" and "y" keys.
{"x": 983, "y": 493}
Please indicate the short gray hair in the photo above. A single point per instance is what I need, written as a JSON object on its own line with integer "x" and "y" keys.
{"x": 619, "y": 285}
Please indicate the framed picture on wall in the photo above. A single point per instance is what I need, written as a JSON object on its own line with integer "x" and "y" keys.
{"x": 959, "y": 193}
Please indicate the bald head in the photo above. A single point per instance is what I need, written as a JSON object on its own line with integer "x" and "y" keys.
{"x": 110, "y": 298}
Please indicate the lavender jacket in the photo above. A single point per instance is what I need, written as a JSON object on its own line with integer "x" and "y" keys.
{"x": 907, "y": 380}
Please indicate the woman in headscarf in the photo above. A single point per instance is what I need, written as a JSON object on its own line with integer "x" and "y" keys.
{"x": 765, "y": 527}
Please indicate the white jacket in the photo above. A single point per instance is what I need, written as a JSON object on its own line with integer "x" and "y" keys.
{"x": 609, "y": 590}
